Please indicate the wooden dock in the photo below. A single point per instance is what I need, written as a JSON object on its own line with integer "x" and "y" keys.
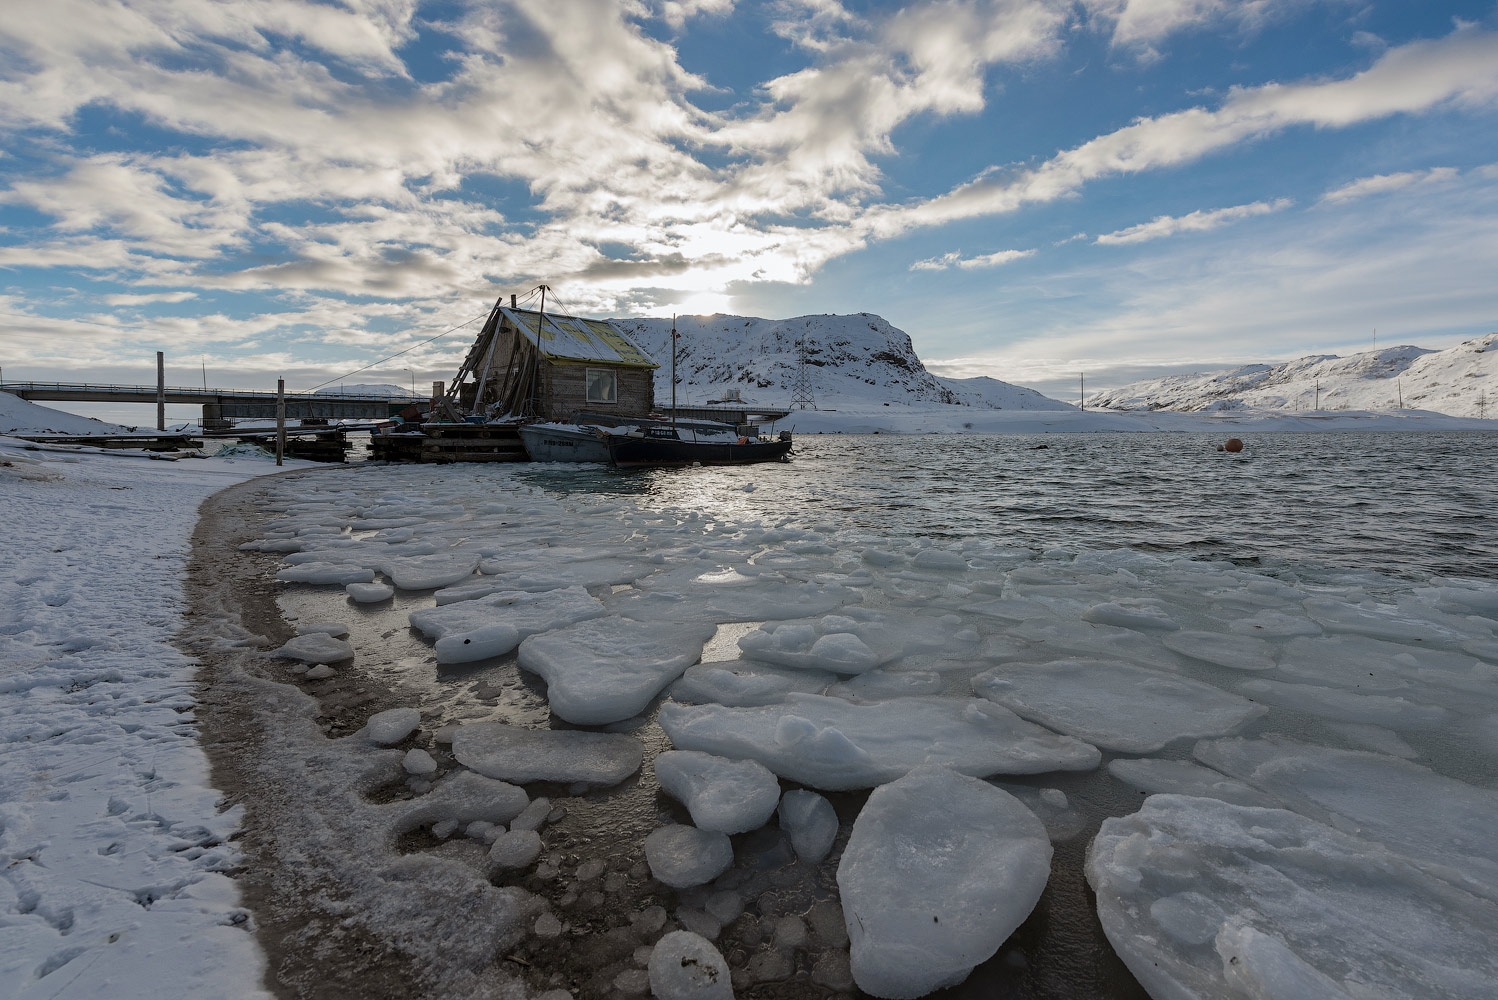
{"x": 450, "y": 442}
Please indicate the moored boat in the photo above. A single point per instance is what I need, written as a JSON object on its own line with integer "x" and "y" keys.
{"x": 665, "y": 444}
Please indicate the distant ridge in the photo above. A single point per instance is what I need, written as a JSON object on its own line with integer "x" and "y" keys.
{"x": 857, "y": 359}
{"x": 1460, "y": 381}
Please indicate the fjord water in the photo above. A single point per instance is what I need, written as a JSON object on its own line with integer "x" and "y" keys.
{"x": 1408, "y": 504}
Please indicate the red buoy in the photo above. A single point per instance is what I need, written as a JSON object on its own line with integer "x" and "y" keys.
{"x": 1233, "y": 444}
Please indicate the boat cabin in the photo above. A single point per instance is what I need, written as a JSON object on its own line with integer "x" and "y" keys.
{"x": 528, "y": 364}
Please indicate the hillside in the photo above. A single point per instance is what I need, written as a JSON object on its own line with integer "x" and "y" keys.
{"x": 21, "y": 416}
{"x": 1459, "y": 381}
{"x": 851, "y": 361}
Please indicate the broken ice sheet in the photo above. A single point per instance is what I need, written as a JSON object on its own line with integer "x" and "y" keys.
{"x": 1116, "y": 706}
{"x": 1205, "y": 899}
{"x": 511, "y": 753}
{"x": 832, "y": 744}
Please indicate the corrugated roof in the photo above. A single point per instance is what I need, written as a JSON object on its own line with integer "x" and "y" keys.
{"x": 572, "y": 338}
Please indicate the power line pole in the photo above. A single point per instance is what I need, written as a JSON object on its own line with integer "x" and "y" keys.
{"x": 801, "y": 395}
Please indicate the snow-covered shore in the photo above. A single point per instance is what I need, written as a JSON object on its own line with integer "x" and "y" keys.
{"x": 113, "y": 848}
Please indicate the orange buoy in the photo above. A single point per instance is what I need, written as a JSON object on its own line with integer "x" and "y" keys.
{"x": 1233, "y": 444}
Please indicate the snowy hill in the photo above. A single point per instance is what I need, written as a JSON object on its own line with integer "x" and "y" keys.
{"x": 21, "y": 416}
{"x": 369, "y": 389}
{"x": 1460, "y": 381}
{"x": 856, "y": 360}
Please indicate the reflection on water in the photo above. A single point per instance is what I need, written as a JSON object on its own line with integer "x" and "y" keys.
{"x": 1408, "y": 504}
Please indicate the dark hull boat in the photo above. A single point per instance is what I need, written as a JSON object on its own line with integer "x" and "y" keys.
{"x": 664, "y": 446}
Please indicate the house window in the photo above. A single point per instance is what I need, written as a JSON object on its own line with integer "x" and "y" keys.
{"x": 602, "y": 386}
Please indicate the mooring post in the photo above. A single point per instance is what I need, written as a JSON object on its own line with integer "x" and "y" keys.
{"x": 160, "y": 391}
{"x": 280, "y": 419}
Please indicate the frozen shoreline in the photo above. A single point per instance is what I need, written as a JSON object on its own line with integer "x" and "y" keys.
{"x": 115, "y": 851}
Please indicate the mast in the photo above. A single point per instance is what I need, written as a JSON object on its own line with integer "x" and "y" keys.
{"x": 674, "y": 335}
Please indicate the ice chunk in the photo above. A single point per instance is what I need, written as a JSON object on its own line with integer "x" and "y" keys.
{"x": 337, "y": 630}
{"x": 1383, "y": 622}
{"x": 811, "y": 823}
{"x": 316, "y": 647}
{"x": 521, "y": 755}
{"x": 515, "y": 849}
{"x": 767, "y": 597}
{"x": 938, "y": 872}
{"x": 850, "y": 642}
{"x": 369, "y": 593}
{"x": 321, "y": 672}
{"x": 726, "y": 796}
{"x": 941, "y": 560}
{"x": 418, "y": 762}
{"x": 609, "y": 669}
{"x": 1201, "y": 898}
{"x": 392, "y": 726}
{"x": 478, "y": 644}
{"x": 1181, "y": 777}
{"x": 489, "y": 623}
{"x": 1238, "y": 652}
{"x": 1375, "y": 738}
{"x": 525, "y": 612}
{"x": 325, "y": 573}
{"x": 686, "y": 966}
{"x": 880, "y": 684}
{"x": 745, "y": 683}
{"x": 1129, "y": 613}
{"x": 832, "y": 744}
{"x": 1272, "y": 624}
{"x": 1116, "y": 706}
{"x": 1083, "y": 639}
{"x": 1346, "y": 706}
{"x": 430, "y": 572}
{"x": 684, "y": 856}
{"x": 1444, "y": 825}
{"x": 465, "y": 797}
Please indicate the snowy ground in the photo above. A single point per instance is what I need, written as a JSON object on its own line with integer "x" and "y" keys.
{"x": 112, "y": 846}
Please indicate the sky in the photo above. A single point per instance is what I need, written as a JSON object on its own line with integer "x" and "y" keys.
{"x": 1031, "y": 189}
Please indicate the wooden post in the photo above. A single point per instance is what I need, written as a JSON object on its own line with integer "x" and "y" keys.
{"x": 1083, "y": 394}
{"x": 280, "y": 420}
{"x": 160, "y": 391}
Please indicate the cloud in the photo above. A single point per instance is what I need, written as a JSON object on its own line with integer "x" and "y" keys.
{"x": 1138, "y": 24}
{"x": 955, "y": 259}
{"x": 149, "y": 298}
{"x": 1384, "y": 183}
{"x": 1196, "y": 222}
{"x": 1458, "y": 71}
{"x": 677, "y": 13}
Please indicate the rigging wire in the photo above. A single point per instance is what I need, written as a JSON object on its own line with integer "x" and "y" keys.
{"x": 397, "y": 354}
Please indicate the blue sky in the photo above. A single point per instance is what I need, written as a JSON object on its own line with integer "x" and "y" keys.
{"x": 1029, "y": 188}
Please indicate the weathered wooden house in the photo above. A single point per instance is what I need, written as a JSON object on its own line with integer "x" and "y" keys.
{"x": 541, "y": 365}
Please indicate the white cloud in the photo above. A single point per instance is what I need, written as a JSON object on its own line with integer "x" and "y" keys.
{"x": 955, "y": 259}
{"x": 1460, "y": 70}
{"x": 148, "y": 298}
{"x": 1383, "y": 183}
{"x": 1138, "y": 25}
{"x": 1195, "y": 222}
{"x": 677, "y": 13}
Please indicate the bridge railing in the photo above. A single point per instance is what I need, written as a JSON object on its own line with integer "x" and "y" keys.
{"x": 104, "y": 387}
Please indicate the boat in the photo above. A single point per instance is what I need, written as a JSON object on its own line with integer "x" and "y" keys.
{"x": 554, "y": 442}
{"x": 667, "y": 444}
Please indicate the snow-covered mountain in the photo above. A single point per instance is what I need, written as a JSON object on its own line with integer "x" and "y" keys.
{"x": 22, "y": 416}
{"x": 1460, "y": 381}
{"x": 850, "y": 360}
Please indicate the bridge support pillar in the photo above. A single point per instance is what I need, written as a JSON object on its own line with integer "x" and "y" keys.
{"x": 160, "y": 391}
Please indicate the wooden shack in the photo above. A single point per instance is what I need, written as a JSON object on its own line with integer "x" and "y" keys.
{"x": 528, "y": 364}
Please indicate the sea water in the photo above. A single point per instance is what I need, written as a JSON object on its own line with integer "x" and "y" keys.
{"x": 1350, "y": 518}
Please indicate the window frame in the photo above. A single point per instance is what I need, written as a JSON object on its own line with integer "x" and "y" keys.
{"x": 589, "y": 375}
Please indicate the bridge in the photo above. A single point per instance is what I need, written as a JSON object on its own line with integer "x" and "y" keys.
{"x": 220, "y": 406}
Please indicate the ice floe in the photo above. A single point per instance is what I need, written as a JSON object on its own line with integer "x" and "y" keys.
{"x": 513, "y": 753}
{"x": 726, "y": 796}
{"x": 939, "y": 870}
{"x": 1202, "y": 898}
{"x": 832, "y": 744}
{"x": 607, "y": 669}
{"x": 684, "y": 856}
{"x": 494, "y": 625}
{"x": 686, "y": 966}
{"x": 316, "y": 647}
{"x": 811, "y": 823}
{"x": 1116, "y": 706}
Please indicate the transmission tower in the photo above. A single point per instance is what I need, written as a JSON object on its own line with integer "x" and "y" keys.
{"x": 801, "y": 396}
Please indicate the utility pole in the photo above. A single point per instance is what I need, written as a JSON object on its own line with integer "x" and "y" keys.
{"x": 280, "y": 420}
{"x": 1399, "y": 383}
{"x": 160, "y": 391}
{"x": 1082, "y": 395}
{"x": 1318, "y": 394}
